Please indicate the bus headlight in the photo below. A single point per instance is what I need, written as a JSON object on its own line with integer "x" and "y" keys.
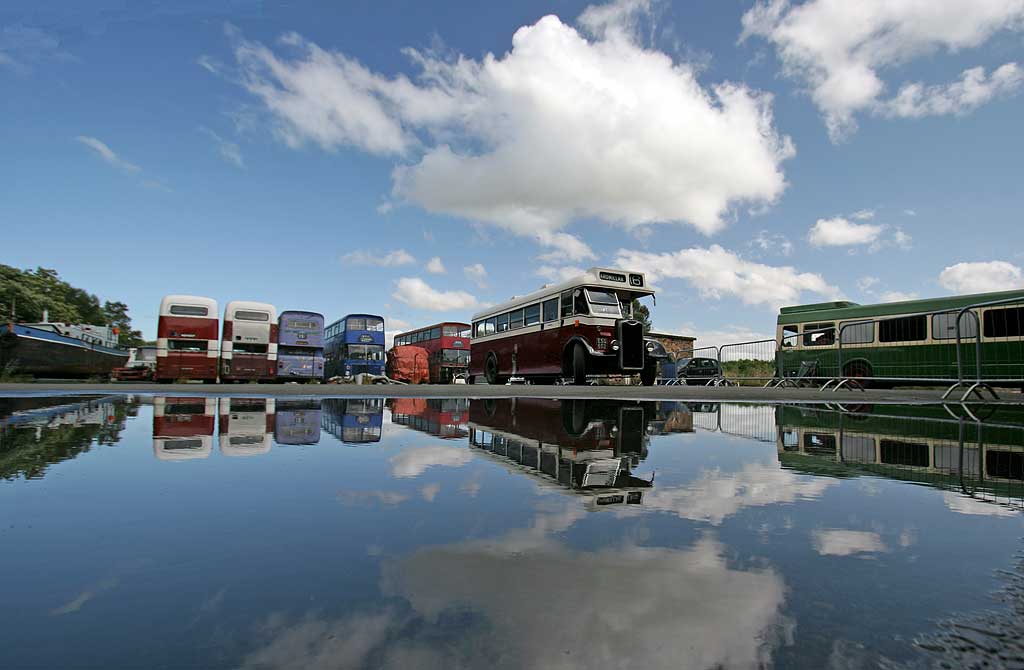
{"x": 615, "y": 345}
{"x": 650, "y": 347}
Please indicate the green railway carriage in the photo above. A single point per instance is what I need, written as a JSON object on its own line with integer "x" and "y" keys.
{"x": 905, "y": 341}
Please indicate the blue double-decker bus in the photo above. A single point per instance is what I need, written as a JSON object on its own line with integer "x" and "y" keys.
{"x": 300, "y": 346}
{"x": 355, "y": 344}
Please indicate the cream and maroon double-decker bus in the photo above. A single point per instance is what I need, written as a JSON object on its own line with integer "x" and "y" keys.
{"x": 575, "y": 329}
{"x": 248, "y": 348}
{"x": 186, "y": 346}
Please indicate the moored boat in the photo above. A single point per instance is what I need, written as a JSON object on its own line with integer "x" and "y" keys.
{"x": 60, "y": 350}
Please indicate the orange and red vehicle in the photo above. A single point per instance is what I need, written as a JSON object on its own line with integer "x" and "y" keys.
{"x": 447, "y": 346}
{"x": 186, "y": 345}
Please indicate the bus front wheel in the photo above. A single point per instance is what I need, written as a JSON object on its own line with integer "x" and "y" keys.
{"x": 491, "y": 369}
{"x": 579, "y": 365}
{"x": 859, "y": 371}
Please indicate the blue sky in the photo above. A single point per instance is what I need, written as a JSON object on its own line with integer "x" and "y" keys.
{"x": 321, "y": 155}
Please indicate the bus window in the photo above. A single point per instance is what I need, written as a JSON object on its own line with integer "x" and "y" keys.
{"x": 435, "y": 333}
{"x": 903, "y": 329}
{"x": 825, "y": 337}
{"x": 503, "y": 322}
{"x": 944, "y": 326}
{"x": 189, "y": 310}
{"x": 579, "y": 302}
{"x": 857, "y": 332}
{"x": 551, "y": 309}
{"x": 566, "y": 303}
{"x": 489, "y": 326}
{"x": 187, "y": 345}
{"x": 464, "y": 332}
{"x": 515, "y": 319}
{"x": 1007, "y": 322}
{"x": 246, "y": 315}
{"x": 603, "y": 302}
{"x": 531, "y": 315}
{"x": 375, "y": 324}
{"x": 249, "y": 348}
{"x": 790, "y": 336}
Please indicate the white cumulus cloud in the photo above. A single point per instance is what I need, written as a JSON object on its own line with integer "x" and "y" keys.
{"x": 385, "y": 260}
{"x": 838, "y": 232}
{"x": 898, "y": 296}
{"x": 716, "y": 272}
{"x": 435, "y": 266}
{"x": 563, "y": 126}
{"x": 973, "y": 90}
{"x": 842, "y": 542}
{"x": 419, "y": 294}
{"x": 839, "y": 50}
{"x": 982, "y": 277}
{"x": 476, "y": 273}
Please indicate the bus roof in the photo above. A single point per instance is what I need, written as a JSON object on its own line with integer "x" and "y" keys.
{"x": 603, "y": 277}
{"x": 435, "y": 325}
{"x": 194, "y": 300}
{"x": 302, "y": 312}
{"x": 848, "y": 310}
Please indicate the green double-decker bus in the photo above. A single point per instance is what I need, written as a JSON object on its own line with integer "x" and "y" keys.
{"x": 913, "y": 341}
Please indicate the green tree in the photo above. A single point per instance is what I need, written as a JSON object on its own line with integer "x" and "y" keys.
{"x": 642, "y": 314}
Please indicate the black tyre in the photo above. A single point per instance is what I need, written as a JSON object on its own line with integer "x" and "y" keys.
{"x": 491, "y": 369}
{"x": 579, "y": 365}
{"x": 859, "y": 371}
{"x": 648, "y": 375}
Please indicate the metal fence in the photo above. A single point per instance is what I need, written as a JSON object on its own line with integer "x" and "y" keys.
{"x": 972, "y": 350}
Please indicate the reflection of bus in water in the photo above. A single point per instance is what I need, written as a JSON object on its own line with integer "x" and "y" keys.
{"x": 183, "y": 427}
{"x": 300, "y": 350}
{"x": 907, "y": 443}
{"x": 246, "y": 426}
{"x": 587, "y": 447}
{"x": 297, "y": 422}
{"x": 353, "y": 420}
{"x": 442, "y": 417}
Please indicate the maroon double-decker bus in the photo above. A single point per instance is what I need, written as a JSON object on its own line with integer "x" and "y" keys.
{"x": 575, "y": 329}
{"x": 447, "y": 346}
{"x": 187, "y": 339}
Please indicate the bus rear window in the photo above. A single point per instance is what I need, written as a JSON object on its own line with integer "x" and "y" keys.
{"x": 904, "y": 329}
{"x": 247, "y": 315}
{"x": 249, "y": 348}
{"x": 189, "y": 310}
{"x": 305, "y": 325}
{"x": 187, "y": 345}
{"x": 1004, "y": 322}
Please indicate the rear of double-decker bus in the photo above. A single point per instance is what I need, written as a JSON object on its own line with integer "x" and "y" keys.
{"x": 300, "y": 346}
{"x": 248, "y": 348}
{"x": 574, "y": 330}
{"x": 452, "y": 356}
{"x": 186, "y": 346}
{"x": 362, "y": 345}
{"x": 183, "y": 427}
{"x": 246, "y": 426}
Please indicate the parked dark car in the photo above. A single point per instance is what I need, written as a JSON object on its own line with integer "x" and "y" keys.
{"x": 699, "y": 370}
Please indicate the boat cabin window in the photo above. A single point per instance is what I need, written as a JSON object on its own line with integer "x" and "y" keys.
{"x": 189, "y": 310}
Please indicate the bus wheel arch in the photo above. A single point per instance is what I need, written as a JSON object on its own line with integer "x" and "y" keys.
{"x": 860, "y": 370}
{"x": 491, "y": 368}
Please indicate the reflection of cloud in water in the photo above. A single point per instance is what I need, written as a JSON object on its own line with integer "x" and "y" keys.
{"x": 840, "y": 542}
{"x": 430, "y": 491}
{"x": 354, "y": 497}
{"x": 623, "y": 607}
{"x": 963, "y": 504}
{"x": 85, "y": 596}
{"x": 717, "y": 495}
{"x": 414, "y": 462}
{"x": 484, "y": 604}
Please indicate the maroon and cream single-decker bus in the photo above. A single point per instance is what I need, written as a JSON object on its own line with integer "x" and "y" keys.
{"x": 186, "y": 345}
{"x": 575, "y": 329}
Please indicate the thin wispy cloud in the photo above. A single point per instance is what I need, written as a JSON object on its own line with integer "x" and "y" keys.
{"x": 101, "y": 149}
{"x": 229, "y": 151}
{"x": 381, "y": 259}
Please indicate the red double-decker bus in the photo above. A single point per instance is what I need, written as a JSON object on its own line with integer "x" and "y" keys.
{"x": 447, "y": 346}
{"x": 187, "y": 339}
{"x": 576, "y": 329}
